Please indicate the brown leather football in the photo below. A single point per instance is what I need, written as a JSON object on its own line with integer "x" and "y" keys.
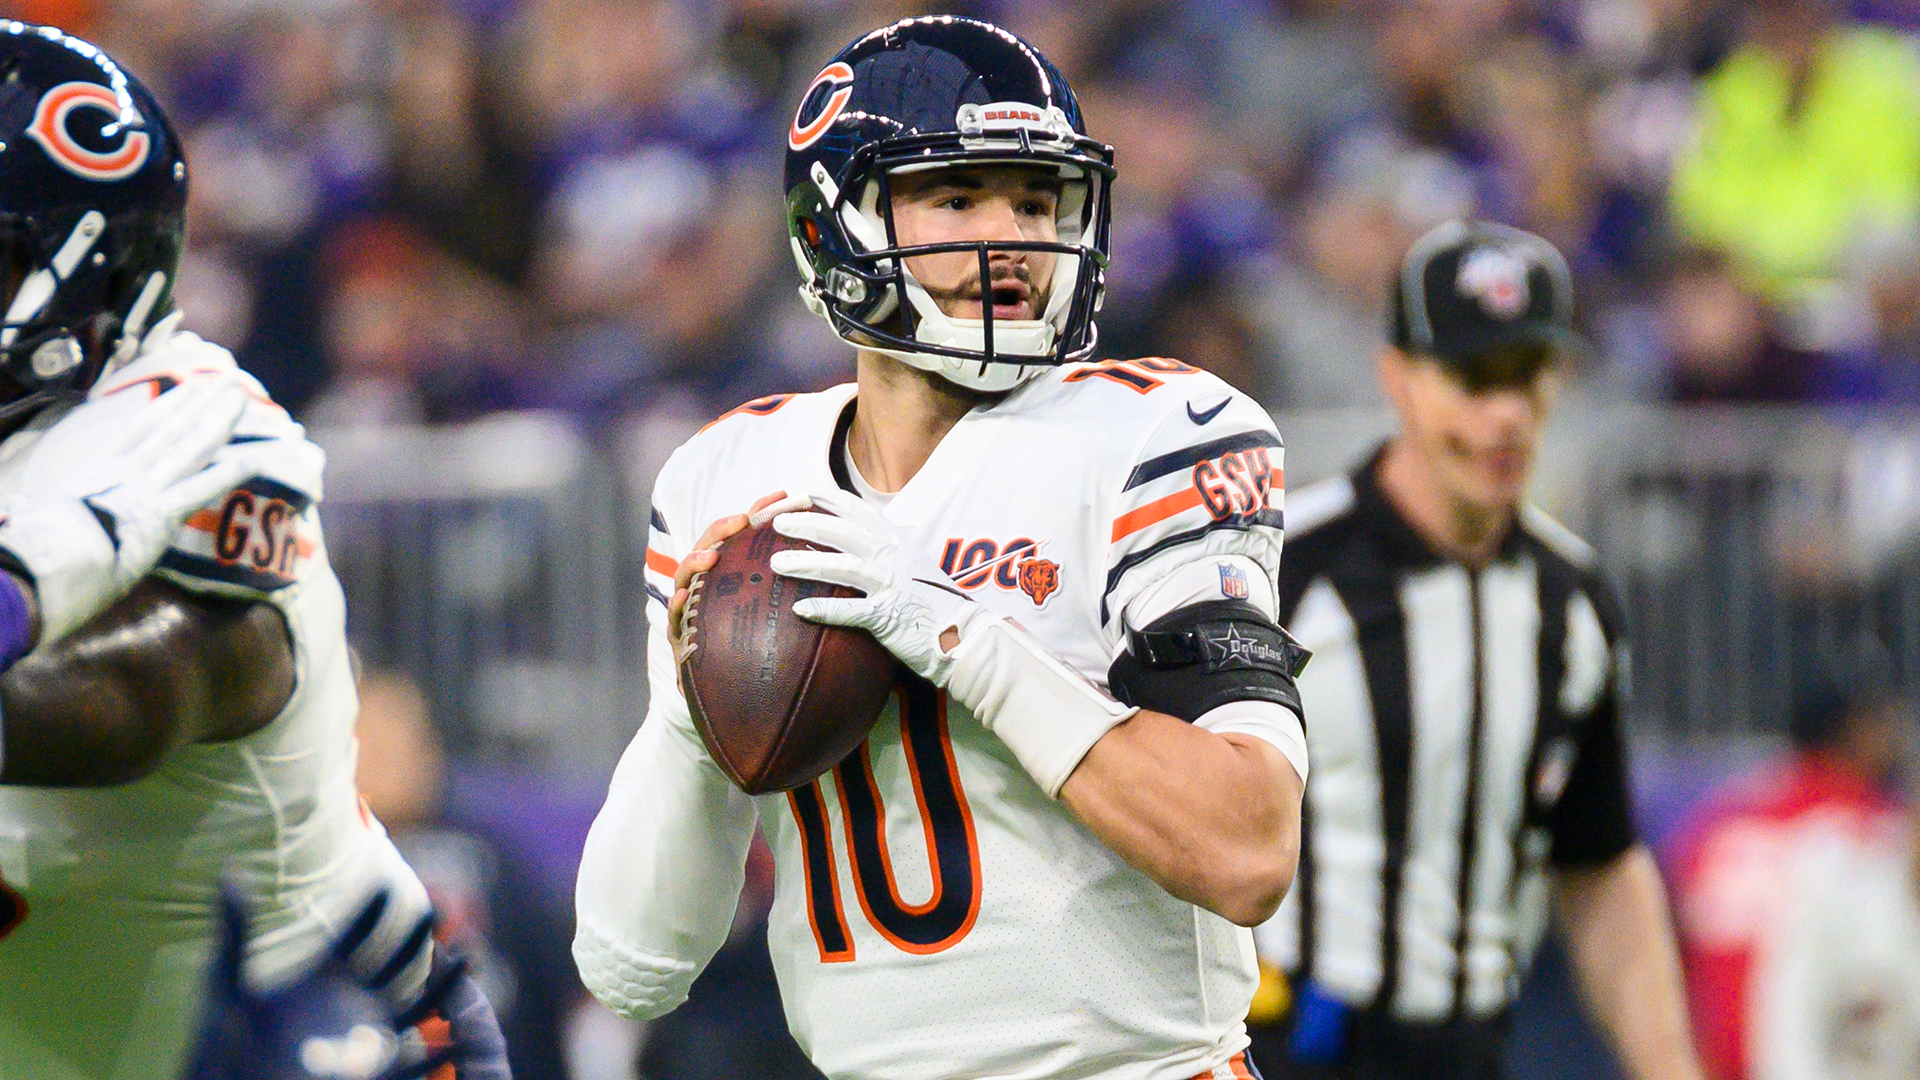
{"x": 777, "y": 699}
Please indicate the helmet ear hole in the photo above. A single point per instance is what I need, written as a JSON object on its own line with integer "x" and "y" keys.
{"x": 839, "y": 183}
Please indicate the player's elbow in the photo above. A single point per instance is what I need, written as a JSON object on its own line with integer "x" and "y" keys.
{"x": 1243, "y": 884}
{"x": 632, "y": 983}
{"x": 1253, "y": 894}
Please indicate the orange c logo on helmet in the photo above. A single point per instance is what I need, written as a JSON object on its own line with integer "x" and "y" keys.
{"x": 836, "y": 74}
{"x": 49, "y": 129}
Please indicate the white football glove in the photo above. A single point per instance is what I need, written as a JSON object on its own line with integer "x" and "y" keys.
{"x": 1048, "y": 714}
{"x": 909, "y": 600}
{"x": 100, "y": 497}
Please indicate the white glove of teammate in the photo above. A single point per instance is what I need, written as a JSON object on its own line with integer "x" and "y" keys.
{"x": 1046, "y": 713}
{"x": 102, "y": 494}
{"x": 909, "y": 600}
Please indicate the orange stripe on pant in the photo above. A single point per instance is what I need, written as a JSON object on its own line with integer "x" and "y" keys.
{"x": 661, "y": 564}
{"x": 1234, "y": 1069}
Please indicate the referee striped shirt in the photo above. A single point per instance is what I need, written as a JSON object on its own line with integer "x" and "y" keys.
{"x": 1464, "y": 727}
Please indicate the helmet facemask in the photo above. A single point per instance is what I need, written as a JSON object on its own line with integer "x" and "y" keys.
{"x": 873, "y": 299}
{"x": 71, "y": 304}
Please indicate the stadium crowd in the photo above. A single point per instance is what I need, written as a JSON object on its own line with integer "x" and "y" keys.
{"x": 432, "y": 210}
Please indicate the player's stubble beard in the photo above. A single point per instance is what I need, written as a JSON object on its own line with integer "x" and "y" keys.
{"x": 966, "y": 291}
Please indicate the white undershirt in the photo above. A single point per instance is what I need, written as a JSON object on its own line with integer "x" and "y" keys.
{"x": 860, "y": 486}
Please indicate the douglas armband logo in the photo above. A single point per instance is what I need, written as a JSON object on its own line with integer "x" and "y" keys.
{"x": 1229, "y": 648}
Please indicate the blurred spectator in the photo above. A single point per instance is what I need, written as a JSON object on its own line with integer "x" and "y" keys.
{"x": 1733, "y": 867}
{"x": 1716, "y": 332}
{"x": 1320, "y": 316}
{"x": 412, "y": 334}
{"x": 660, "y": 226}
{"x": 1841, "y": 995}
{"x": 1186, "y": 221}
{"x": 1808, "y": 142}
{"x": 491, "y": 912}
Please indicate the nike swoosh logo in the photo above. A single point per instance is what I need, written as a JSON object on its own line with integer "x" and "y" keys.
{"x": 1204, "y": 418}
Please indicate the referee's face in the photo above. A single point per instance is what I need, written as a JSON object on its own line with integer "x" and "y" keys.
{"x": 1478, "y": 443}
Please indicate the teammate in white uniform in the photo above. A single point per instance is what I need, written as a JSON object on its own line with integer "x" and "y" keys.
{"x": 201, "y": 725}
{"x": 1035, "y": 865}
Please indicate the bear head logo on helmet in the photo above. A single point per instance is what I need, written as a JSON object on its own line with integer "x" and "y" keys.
{"x": 93, "y": 196}
{"x": 943, "y": 92}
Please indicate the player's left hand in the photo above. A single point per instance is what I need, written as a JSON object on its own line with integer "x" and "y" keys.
{"x": 331, "y": 1021}
{"x": 701, "y": 559}
{"x": 102, "y": 494}
{"x": 910, "y": 605}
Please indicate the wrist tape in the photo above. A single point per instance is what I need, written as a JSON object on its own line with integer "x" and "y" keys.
{"x": 1045, "y": 712}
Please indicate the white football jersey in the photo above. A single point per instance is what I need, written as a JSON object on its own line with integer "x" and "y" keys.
{"x": 104, "y": 975}
{"x": 936, "y": 915}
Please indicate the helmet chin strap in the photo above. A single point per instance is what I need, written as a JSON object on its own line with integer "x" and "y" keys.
{"x": 133, "y": 330}
{"x": 1012, "y": 339}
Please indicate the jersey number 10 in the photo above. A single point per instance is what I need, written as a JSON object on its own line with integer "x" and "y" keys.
{"x": 953, "y": 851}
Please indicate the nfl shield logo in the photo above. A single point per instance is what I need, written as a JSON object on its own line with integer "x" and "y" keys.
{"x": 1497, "y": 279}
{"x": 1233, "y": 582}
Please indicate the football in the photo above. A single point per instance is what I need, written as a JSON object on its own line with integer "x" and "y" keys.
{"x": 777, "y": 699}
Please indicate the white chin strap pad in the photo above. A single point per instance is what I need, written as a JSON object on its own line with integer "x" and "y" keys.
{"x": 1011, "y": 337}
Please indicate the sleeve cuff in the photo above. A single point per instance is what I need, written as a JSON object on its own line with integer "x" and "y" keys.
{"x": 1273, "y": 723}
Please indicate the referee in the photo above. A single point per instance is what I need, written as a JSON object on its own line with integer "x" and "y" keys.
{"x": 1464, "y": 707}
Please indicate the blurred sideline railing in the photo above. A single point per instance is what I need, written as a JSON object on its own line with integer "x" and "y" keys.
{"x": 500, "y": 562}
{"x": 495, "y": 562}
{"x": 1744, "y": 542}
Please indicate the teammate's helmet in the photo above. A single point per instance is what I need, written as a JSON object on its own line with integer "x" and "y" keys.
{"x": 93, "y": 196}
{"x": 933, "y": 92}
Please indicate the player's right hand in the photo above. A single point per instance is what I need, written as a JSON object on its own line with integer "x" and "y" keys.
{"x": 101, "y": 495}
{"x": 702, "y": 558}
{"x": 909, "y": 605}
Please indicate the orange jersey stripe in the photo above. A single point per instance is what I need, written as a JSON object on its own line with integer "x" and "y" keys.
{"x": 660, "y": 564}
{"x": 1156, "y": 511}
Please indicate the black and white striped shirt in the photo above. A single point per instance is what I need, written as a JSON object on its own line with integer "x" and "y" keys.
{"x": 1464, "y": 727}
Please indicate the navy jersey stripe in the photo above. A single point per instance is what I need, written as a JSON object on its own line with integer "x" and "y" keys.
{"x": 1154, "y": 468}
{"x": 197, "y": 566}
{"x": 273, "y": 489}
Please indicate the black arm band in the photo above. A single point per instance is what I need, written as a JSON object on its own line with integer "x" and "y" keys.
{"x": 1201, "y": 657}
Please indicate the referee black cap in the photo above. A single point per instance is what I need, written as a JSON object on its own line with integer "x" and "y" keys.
{"x": 1493, "y": 303}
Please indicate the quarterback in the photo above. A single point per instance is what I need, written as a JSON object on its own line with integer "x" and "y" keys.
{"x": 1042, "y": 861}
{"x": 186, "y": 711}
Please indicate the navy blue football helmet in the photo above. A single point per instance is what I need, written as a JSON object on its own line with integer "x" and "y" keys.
{"x": 93, "y": 197}
{"x": 934, "y": 92}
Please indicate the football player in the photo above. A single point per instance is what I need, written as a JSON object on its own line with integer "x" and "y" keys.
{"x": 202, "y": 722}
{"x": 1043, "y": 860}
